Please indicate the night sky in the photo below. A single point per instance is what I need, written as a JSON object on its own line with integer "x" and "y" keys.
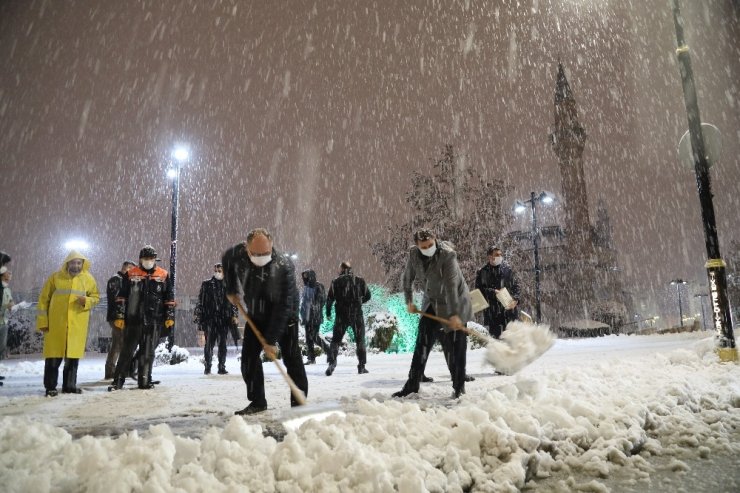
{"x": 309, "y": 118}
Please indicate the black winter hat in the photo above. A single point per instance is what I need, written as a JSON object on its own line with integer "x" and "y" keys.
{"x": 147, "y": 252}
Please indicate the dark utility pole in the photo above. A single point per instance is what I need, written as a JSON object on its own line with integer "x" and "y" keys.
{"x": 678, "y": 283}
{"x": 173, "y": 244}
{"x": 720, "y": 306}
{"x": 703, "y": 318}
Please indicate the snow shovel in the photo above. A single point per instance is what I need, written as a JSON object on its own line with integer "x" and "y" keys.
{"x": 297, "y": 393}
{"x": 520, "y": 344}
{"x": 294, "y": 418}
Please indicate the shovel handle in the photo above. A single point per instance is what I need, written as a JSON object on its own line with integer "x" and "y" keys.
{"x": 449, "y": 324}
{"x": 298, "y": 394}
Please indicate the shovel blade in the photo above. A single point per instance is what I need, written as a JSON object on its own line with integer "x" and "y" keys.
{"x": 520, "y": 344}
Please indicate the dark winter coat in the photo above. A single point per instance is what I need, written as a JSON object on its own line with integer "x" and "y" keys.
{"x": 270, "y": 292}
{"x": 112, "y": 289}
{"x": 213, "y": 309}
{"x": 487, "y": 279}
{"x": 4, "y": 259}
{"x": 146, "y": 297}
{"x": 312, "y": 299}
{"x": 349, "y": 292}
{"x": 444, "y": 286}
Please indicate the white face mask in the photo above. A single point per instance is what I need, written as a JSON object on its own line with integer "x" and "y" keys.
{"x": 261, "y": 260}
{"x": 148, "y": 264}
{"x": 219, "y": 275}
{"x": 5, "y": 284}
{"x": 428, "y": 252}
{"x": 497, "y": 260}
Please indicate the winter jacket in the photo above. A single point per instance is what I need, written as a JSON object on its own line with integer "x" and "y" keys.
{"x": 111, "y": 290}
{"x": 213, "y": 309}
{"x": 60, "y": 312}
{"x": 489, "y": 278}
{"x": 442, "y": 280}
{"x": 146, "y": 297}
{"x": 312, "y": 299}
{"x": 270, "y": 292}
{"x": 349, "y": 292}
{"x": 6, "y": 300}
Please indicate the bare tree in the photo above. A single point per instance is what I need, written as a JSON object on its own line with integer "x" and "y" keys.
{"x": 460, "y": 208}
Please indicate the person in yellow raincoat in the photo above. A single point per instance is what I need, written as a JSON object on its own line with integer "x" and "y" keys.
{"x": 63, "y": 316}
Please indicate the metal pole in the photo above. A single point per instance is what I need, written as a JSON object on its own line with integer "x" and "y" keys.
{"x": 703, "y": 317}
{"x": 536, "y": 240}
{"x": 173, "y": 244}
{"x": 680, "y": 310}
{"x": 724, "y": 338}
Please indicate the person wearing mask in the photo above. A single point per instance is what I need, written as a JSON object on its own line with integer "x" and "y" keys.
{"x": 312, "y": 313}
{"x": 6, "y": 304}
{"x": 266, "y": 280}
{"x": 63, "y": 315}
{"x": 145, "y": 308}
{"x": 349, "y": 292}
{"x": 490, "y": 278}
{"x": 434, "y": 265}
{"x": 215, "y": 316}
{"x": 116, "y": 341}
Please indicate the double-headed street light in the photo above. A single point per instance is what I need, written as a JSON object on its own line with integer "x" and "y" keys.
{"x": 180, "y": 154}
{"x": 678, "y": 283}
{"x": 519, "y": 207}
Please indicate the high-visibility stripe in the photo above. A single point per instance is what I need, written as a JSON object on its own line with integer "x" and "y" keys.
{"x": 62, "y": 292}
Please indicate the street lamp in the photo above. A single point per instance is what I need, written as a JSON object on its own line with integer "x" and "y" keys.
{"x": 678, "y": 283}
{"x": 519, "y": 207}
{"x": 76, "y": 244}
{"x": 703, "y": 319}
{"x": 180, "y": 155}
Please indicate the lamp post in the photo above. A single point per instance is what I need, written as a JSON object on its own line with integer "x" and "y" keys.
{"x": 180, "y": 155}
{"x": 519, "y": 207}
{"x": 703, "y": 319}
{"x": 678, "y": 283}
{"x": 720, "y": 308}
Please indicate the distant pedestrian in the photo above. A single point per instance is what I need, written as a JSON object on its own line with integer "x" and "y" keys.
{"x": 145, "y": 309}
{"x": 6, "y": 304}
{"x": 215, "y": 316}
{"x": 312, "y": 313}
{"x": 434, "y": 265}
{"x": 266, "y": 278}
{"x": 349, "y": 292}
{"x": 116, "y": 340}
{"x": 64, "y": 308}
{"x": 491, "y": 278}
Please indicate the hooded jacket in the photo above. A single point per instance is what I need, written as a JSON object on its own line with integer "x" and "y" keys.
{"x": 444, "y": 286}
{"x": 59, "y": 310}
{"x": 312, "y": 299}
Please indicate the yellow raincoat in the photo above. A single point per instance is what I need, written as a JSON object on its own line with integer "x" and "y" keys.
{"x": 60, "y": 311}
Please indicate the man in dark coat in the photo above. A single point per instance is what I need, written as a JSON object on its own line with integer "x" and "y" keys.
{"x": 116, "y": 341}
{"x": 146, "y": 308}
{"x": 215, "y": 316}
{"x": 349, "y": 292}
{"x": 490, "y": 278}
{"x": 434, "y": 265}
{"x": 312, "y": 313}
{"x": 267, "y": 280}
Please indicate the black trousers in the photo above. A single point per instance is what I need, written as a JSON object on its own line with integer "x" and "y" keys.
{"x": 454, "y": 345}
{"x": 342, "y": 322}
{"x": 313, "y": 340}
{"x": 216, "y": 334}
{"x": 496, "y": 322}
{"x": 145, "y": 337}
{"x": 69, "y": 373}
{"x": 290, "y": 351}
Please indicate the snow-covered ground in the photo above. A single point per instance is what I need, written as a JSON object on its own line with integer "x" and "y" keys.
{"x": 638, "y": 413}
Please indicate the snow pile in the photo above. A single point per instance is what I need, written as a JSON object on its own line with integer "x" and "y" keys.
{"x": 163, "y": 356}
{"x": 569, "y": 421}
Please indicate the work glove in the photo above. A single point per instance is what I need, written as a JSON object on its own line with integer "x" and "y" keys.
{"x": 168, "y": 323}
{"x": 119, "y": 324}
